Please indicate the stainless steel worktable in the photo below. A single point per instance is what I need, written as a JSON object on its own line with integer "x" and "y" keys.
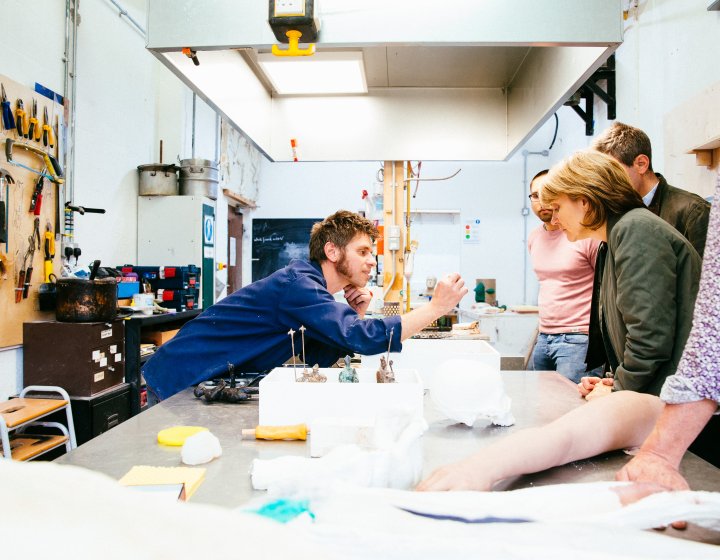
{"x": 537, "y": 398}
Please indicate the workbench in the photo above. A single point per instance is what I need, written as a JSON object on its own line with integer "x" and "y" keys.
{"x": 537, "y": 398}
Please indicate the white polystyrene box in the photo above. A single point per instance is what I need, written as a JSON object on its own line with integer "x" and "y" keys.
{"x": 426, "y": 354}
{"x": 284, "y": 401}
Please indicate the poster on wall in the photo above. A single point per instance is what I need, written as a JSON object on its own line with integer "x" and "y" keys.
{"x": 277, "y": 241}
{"x": 471, "y": 232}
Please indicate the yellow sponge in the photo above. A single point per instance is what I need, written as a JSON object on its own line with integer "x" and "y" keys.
{"x": 178, "y": 434}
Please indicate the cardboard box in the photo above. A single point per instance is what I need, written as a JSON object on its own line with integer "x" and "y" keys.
{"x": 284, "y": 401}
{"x": 158, "y": 338}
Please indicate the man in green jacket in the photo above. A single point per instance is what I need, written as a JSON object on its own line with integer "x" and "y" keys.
{"x": 685, "y": 211}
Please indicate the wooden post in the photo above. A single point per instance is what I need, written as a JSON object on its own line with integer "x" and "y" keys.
{"x": 393, "y": 208}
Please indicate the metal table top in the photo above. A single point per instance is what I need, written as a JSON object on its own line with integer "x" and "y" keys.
{"x": 537, "y": 398}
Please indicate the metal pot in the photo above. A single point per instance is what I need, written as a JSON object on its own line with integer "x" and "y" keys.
{"x": 80, "y": 300}
{"x": 198, "y": 177}
{"x": 157, "y": 179}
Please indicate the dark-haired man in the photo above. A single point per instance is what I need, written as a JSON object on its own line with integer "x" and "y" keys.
{"x": 249, "y": 328}
{"x": 685, "y": 211}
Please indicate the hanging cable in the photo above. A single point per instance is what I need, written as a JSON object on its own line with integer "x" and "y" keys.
{"x": 557, "y": 124}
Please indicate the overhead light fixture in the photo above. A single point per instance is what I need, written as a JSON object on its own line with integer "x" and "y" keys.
{"x": 329, "y": 73}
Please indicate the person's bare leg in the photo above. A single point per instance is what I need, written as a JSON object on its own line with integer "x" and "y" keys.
{"x": 620, "y": 420}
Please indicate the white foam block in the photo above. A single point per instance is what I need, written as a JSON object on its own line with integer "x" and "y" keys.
{"x": 283, "y": 401}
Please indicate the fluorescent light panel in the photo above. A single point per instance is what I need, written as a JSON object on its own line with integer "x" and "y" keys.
{"x": 321, "y": 73}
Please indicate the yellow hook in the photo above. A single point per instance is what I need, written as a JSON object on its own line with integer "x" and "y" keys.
{"x": 293, "y": 49}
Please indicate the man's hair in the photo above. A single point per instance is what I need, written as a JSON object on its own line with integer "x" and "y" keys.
{"x": 599, "y": 179}
{"x": 624, "y": 143}
{"x": 538, "y": 174}
{"x": 339, "y": 229}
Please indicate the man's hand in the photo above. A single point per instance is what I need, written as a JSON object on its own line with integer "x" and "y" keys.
{"x": 587, "y": 384}
{"x": 448, "y": 293}
{"x": 358, "y": 298}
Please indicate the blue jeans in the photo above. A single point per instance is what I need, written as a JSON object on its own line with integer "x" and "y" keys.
{"x": 564, "y": 353}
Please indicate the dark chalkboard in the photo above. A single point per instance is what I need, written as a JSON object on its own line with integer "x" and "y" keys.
{"x": 276, "y": 241}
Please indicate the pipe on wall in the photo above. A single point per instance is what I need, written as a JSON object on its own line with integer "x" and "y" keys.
{"x": 526, "y": 213}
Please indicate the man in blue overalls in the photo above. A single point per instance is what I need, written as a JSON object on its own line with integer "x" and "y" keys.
{"x": 249, "y": 328}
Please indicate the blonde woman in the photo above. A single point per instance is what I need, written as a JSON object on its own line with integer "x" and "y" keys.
{"x": 646, "y": 275}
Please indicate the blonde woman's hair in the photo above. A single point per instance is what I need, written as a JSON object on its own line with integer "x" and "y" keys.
{"x": 596, "y": 177}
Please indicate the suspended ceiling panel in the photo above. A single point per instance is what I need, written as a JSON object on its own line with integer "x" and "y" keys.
{"x": 457, "y": 80}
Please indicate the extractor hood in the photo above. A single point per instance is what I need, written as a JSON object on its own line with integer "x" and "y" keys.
{"x": 451, "y": 80}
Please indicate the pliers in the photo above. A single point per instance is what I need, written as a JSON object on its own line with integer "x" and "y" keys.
{"x": 48, "y": 137}
{"x": 35, "y": 130}
{"x": 21, "y": 119}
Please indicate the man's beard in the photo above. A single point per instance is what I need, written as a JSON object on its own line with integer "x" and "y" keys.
{"x": 342, "y": 265}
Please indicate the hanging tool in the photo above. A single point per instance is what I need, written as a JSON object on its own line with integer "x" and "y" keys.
{"x": 21, "y": 118}
{"x": 7, "y": 116}
{"x": 36, "y": 233}
{"x": 82, "y": 209}
{"x": 48, "y": 137}
{"x": 36, "y": 200}
{"x": 54, "y": 172}
{"x": 192, "y": 55}
{"x": 35, "y": 131}
{"x": 25, "y": 274}
{"x": 49, "y": 253}
{"x": 5, "y": 179}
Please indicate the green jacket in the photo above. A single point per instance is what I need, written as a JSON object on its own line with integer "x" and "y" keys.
{"x": 685, "y": 211}
{"x": 649, "y": 284}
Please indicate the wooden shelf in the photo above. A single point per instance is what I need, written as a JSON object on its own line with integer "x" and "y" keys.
{"x": 708, "y": 154}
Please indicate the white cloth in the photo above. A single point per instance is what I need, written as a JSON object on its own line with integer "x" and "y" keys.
{"x": 395, "y": 462}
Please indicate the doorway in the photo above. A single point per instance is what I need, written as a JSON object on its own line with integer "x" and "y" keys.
{"x": 234, "y": 249}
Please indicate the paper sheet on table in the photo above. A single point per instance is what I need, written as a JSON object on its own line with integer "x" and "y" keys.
{"x": 190, "y": 478}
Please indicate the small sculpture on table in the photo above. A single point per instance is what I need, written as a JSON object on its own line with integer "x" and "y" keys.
{"x": 313, "y": 377}
{"x": 348, "y": 373}
{"x": 386, "y": 374}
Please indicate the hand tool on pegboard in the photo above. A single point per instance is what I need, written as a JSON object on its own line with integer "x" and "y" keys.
{"x": 35, "y": 130}
{"x": 21, "y": 119}
{"x": 5, "y": 179}
{"x": 24, "y": 274}
{"x": 7, "y": 116}
{"x": 49, "y": 247}
{"x": 36, "y": 200}
{"x": 48, "y": 137}
{"x": 53, "y": 170}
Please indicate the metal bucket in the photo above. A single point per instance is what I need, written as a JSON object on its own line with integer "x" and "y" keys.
{"x": 157, "y": 179}
{"x": 199, "y": 177}
{"x": 80, "y": 300}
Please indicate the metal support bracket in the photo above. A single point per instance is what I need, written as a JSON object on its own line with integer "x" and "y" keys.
{"x": 590, "y": 89}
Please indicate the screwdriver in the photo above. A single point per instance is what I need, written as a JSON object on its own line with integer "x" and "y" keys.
{"x": 7, "y": 116}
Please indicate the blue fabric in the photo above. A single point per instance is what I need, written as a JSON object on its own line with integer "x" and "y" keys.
{"x": 249, "y": 329}
{"x": 564, "y": 353}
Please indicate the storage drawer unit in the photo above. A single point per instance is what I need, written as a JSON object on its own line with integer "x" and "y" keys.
{"x": 82, "y": 358}
{"x": 97, "y": 414}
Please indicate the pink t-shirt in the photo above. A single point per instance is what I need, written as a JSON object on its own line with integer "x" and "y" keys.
{"x": 565, "y": 271}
